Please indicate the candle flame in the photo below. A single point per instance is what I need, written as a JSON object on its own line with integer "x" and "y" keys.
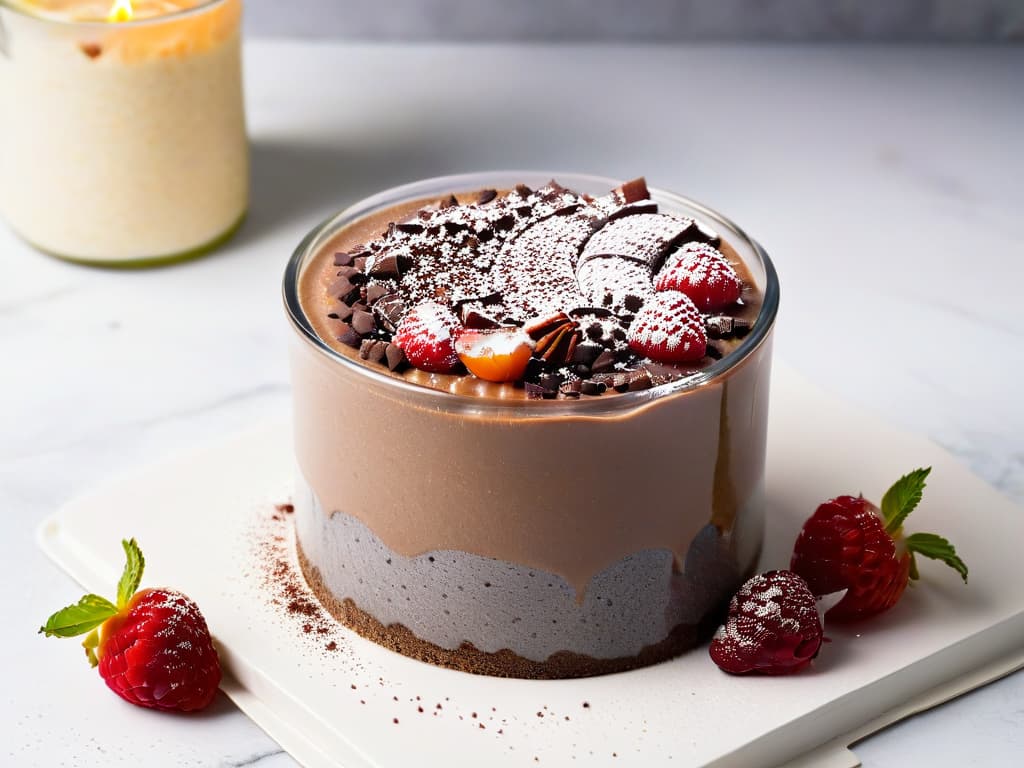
{"x": 121, "y": 10}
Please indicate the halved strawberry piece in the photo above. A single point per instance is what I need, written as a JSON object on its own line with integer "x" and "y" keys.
{"x": 669, "y": 329}
{"x": 427, "y": 337}
{"x": 703, "y": 274}
{"x": 498, "y": 354}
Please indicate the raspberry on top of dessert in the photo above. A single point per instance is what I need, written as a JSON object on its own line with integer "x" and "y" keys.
{"x": 553, "y": 292}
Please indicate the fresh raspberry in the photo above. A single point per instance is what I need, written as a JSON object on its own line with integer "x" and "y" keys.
{"x": 669, "y": 329}
{"x": 159, "y": 653}
{"x": 773, "y": 627}
{"x": 703, "y": 274}
{"x": 499, "y": 354}
{"x": 427, "y": 337}
{"x": 849, "y": 543}
{"x": 153, "y": 647}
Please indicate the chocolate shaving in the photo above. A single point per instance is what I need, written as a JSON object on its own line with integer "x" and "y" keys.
{"x": 726, "y": 327}
{"x": 550, "y": 382}
{"x": 384, "y": 266}
{"x": 534, "y": 391}
{"x": 348, "y": 336}
{"x": 556, "y": 337}
{"x": 340, "y": 287}
{"x": 395, "y": 357}
{"x": 375, "y": 291}
{"x": 542, "y": 326}
{"x": 604, "y": 361}
{"x": 372, "y": 350}
{"x": 363, "y": 323}
{"x": 633, "y": 190}
{"x": 640, "y": 379}
{"x": 486, "y": 195}
{"x": 586, "y": 352}
{"x": 343, "y": 312}
{"x": 571, "y": 388}
{"x": 472, "y": 318}
{"x": 389, "y": 311}
{"x": 342, "y": 259}
{"x": 619, "y": 381}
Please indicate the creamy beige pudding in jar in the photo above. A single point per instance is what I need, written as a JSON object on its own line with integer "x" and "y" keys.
{"x": 123, "y": 139}
{"x": 530, "y": 420}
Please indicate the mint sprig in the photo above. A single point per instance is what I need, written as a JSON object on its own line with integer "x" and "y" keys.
{"x": 84, "y": 616}
{"x": 903, "y": 498}
{"x": 132, "y": 576}
{"x": 937, "y": 548}
{"x": 88, "y": 615}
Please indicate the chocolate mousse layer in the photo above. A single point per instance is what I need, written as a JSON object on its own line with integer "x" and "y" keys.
{"x": 462, "y": 521}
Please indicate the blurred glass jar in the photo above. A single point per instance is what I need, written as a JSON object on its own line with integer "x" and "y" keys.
{"x": 123, "y": 139}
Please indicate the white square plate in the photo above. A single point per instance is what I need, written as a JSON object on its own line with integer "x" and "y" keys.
{"x": 198, "y": 520}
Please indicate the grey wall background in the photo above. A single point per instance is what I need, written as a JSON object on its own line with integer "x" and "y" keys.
{"x": 652, "y": 20}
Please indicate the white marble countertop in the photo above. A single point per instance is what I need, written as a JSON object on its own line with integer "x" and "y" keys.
{"x": 886, "y": 183}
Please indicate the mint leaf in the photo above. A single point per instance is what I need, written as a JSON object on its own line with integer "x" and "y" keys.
{"x": 87, "y": 614}
{"x": 132, "y": 576}
{"x": 937, "y": 548}
{"x": 904, "y": 496}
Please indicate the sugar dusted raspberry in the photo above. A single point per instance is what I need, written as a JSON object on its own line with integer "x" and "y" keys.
{"x": 703, "y": 274}
{"x": 427, "y": 337}
{"x": 773, "y": 627}
{"x": 669, "y": 329}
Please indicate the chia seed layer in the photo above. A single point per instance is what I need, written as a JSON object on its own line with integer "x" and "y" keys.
{"x": 488, "y": 616}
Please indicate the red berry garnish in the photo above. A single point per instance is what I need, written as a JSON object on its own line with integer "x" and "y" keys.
{"x": 849, "y": 543}
{"x": 773, "y": 627}
{"x": 153, "y": 647}
{"x": 669, "y": 328}
{"x": 703, "y": 274}
{"x": 427, "y": 337}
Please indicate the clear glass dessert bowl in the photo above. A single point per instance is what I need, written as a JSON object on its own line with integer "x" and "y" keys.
{"x": 519, "y": 537}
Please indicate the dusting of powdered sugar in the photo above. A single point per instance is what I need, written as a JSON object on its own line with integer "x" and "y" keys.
{"x": 701, "y": 264}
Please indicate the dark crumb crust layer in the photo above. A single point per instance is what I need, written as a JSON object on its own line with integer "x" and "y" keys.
{"x": 503, "y": 663}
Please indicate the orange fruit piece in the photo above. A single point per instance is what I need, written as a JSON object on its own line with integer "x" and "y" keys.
{"x": 499, "y": 354}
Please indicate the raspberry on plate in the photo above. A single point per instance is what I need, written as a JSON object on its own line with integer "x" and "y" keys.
{"x": 427, "y": 337}
{"x": 669, "y": 329}
{"x": 153, "y": 647}
{"x": 773, "y": 627}
{"x": 703, "y": 274}
{"x": 849, "y": 543}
